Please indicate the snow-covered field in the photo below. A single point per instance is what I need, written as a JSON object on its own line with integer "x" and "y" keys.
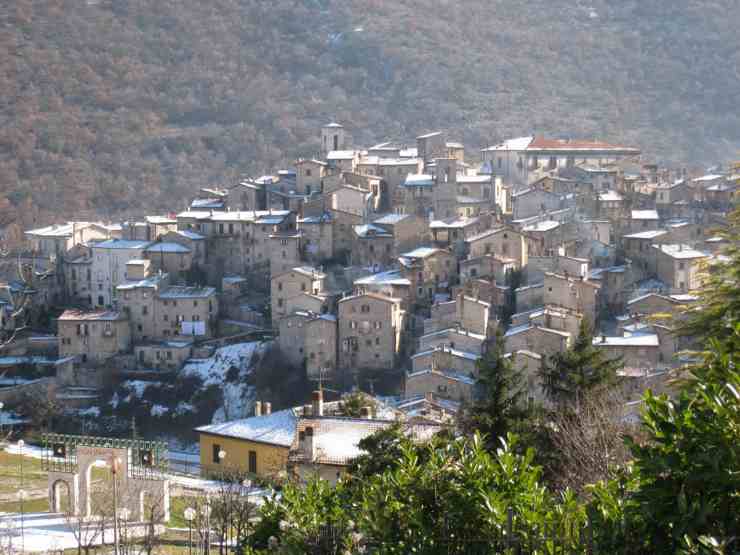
{"x": 37, "y": 532}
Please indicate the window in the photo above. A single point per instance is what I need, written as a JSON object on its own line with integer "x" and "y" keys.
{"x": 280, "y": 302}
{"x": 166, "y": 317}
{"x": 216, "y": 451}
{"x": 378, "y": 325}
{"x": 365, "y": 308}
{"x": 500, "y": 162}
{"x": 307, "y": 173}
{"x": 368, "y": 342}
{"x": 303, "y": 286}
{"x": 377, "y": 340}
{"x": 195, "y": 303}
{"x": 352, "y": 325}
{"x": 138, "y": 327}
{"x": 253, "y": 462}
{"x": 280, "y": 286}
{"x": 681, "y": 265}
{"x": 145, "y": 310}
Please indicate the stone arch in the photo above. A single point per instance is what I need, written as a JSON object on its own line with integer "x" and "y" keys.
{"x": 55, "y": 496}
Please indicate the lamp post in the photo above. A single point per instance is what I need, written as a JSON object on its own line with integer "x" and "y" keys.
{"x": 189, "y": 514}
{"x": 114, "y": 470}
{"x": 125, "y": 515}
{"x": 21, "y": 496}
{"x": 2, "y": 435}
{"x": 206, "y": 511}
{"x": 221, "y": 458}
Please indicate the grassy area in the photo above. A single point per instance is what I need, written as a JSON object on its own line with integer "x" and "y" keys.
{"x": 10, "y": 474}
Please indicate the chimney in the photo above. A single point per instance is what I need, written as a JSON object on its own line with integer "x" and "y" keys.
{"x": 267, "y": 408}
{"x": 305, "y": 439}
{"x": 366, "y": 413}
{"x": 317, "y": 403}
{"x": 258, "y": 408}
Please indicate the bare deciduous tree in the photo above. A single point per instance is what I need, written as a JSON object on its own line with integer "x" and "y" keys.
{"x": 590, "y": 441}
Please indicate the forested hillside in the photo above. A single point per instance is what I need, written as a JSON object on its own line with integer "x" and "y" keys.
{"x": 111, "y": 105}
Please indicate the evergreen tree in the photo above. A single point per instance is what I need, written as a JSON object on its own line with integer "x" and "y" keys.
{"x": 719, "y": 305}
{"x": 568, "y": 375}
{"x": 497, "y": 403}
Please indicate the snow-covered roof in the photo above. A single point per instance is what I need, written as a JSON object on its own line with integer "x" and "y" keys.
{"x": 449, "y": 374}
{"x": 151, "y": 281}
{"x": 454, "y": 352}
{"x": 651, "y": 234}
{"x": 214, "y": 203}
{"x": 121, "y": 244}
{"x": 546, "y": 225}
{"x": 419, "y": 180}
{"x": 679, "y": 251}
{"x": 56, "y": 230}
{"x": 469, "y": 179}
{"x": 421, "y": 252}
{"x": 391, "y": 219}
{"x": 453, "y": 223}
{"x": 93, "y": 315}
{"x": 370, "y": 230}
{"x": 456, "y": 331}
{"x": 520, "y": 143}
{"x": 160, "y": 220}
{"x": 639, "y": 340}
{"x": 397, "y": 161}
{"x": 610, "y": 196}
{"x": 429, "y": 135}
{"x": 408, "y": 152}
{"x": 253, "y": 216}
{"x": 168, "y": 248}
{"x": 187, "y": 292}
{"x": 392, "y": 277}
{"x": 277, "y": 428}
{"x": 340, "y": 155}
{"x": 645, "y": 215}
{"x": 708, "y": 177}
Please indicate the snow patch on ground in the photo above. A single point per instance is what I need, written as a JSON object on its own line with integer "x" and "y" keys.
{"x": 159, "y": 410}
{"x": 238, "y": 397}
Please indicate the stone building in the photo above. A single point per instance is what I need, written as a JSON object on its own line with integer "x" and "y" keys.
{"x": 93, "y": 336}
{"x": 109, "y": 260}
{"x": 310, "y": 339}
{"x": 370, "y": 331}
{"x": 285, "y": 287}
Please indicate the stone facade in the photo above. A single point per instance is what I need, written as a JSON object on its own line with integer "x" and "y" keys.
{"x": 93, "y": 336}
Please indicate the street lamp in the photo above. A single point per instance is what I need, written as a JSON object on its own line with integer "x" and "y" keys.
{"x": 206, "y": 511}
{"x": 115, "y": 463}
{"x": 22, "y": 495}
{"x": 2, "y": 405}
{"x": 125, "y": 516}
{"x": 189, "y": 514}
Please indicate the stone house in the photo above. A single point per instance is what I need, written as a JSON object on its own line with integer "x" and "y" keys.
{"x": 190, "y": 239}
{"x": 543, "y": 238}
{"x": 309, "y": 175}
{"x": 310, "y": 339}
{"x": 109, "y": 260}
{"x": 643, "y": 220}
{"x": 488, "y": 266}
{"x": 610, "y": 204}
{"x": 680, "y": 267}
{"x": 93, "y": 336}
{"x": 391, "y": 284}
{"x": 638, "y": 247}
{"x": 343, "y": 160}
{"x": 288, "y": 285}
{"x": 418, "y": 194}
{"x": 163, "y": 355}
{"x": 407, "y": 230}
{"x": 446, "y": 358}
{"x": 473, "y": 314}
{"x": 352, "y": 199}
{"x": 429, "y": 269}
{"x": 57, "y": 239}
{"x": 171, "y": 258}
{"x": 77, "y": 268}
{"x": 430, "y": 146}
{"x": 531, "y": 202}
{"x": 373, "y": 246}
{"x": 370, "y": 331}
{"x": 453, "y": 338}
{"x": 503, "y": 241}
{"x": 286, "y": 251}
{"x": 318, "y": 236}
{"x": 541, "y": 340}
{"x": 573, "y": 293}
{"x": 527, "y": 365}
{"x": 446, "y": 384}
{"x": 637, "y": 351}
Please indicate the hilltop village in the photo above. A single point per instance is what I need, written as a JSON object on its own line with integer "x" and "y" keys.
{"x": 357, "y": 289}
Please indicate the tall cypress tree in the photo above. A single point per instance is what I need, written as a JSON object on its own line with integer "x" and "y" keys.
{"x": 497, "y": 403}
{"x": 568, "y": 375}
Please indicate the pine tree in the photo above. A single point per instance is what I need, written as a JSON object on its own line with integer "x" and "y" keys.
{"x": 718, "y": 308}
{"x": 568, "y": 375}
{"x": 497, "y": 404}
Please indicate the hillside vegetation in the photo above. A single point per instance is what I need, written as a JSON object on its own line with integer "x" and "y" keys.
{"x": 112, "y": 105}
